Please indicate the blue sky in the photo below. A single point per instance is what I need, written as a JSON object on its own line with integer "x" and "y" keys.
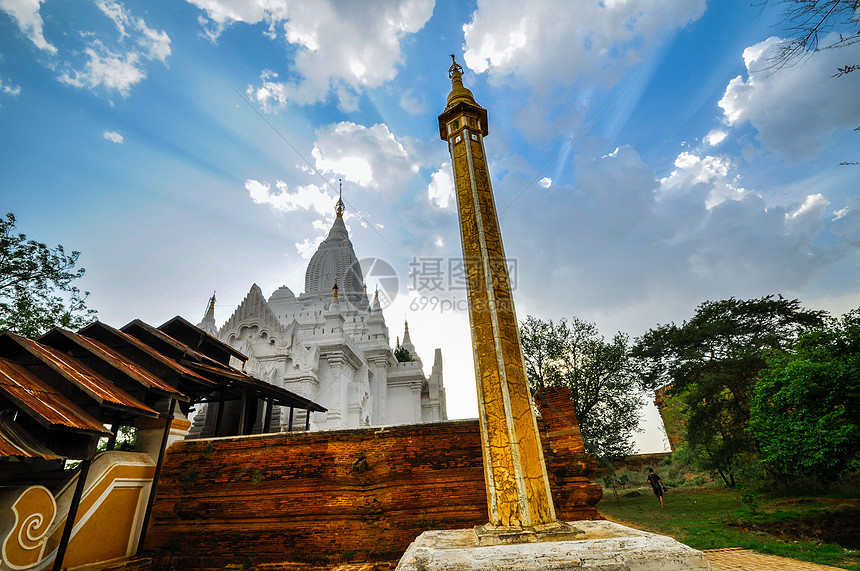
{"x": 643, "y": 157}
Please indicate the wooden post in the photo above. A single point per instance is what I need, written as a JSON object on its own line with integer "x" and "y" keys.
{"x": 154, "y": 487}
{"x": 111, "y": 443}
{"x": 242, "y": 411}
{"x": 73, "y": 507}
{"x": 220, "y": 416}
{"x": 267, "y": 421}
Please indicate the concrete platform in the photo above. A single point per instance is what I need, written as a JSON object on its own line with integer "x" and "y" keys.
{"x": 591, "y": 545}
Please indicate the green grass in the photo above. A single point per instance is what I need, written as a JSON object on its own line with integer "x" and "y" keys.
{"x": 714, "y": 518}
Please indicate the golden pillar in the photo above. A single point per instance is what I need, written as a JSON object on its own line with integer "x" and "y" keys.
{"x": 518, "y": 493}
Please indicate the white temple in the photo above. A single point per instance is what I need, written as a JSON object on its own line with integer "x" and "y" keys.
{"x": 330, "y": 345}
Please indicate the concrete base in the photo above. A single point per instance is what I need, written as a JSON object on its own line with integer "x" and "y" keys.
{"x": 591, "y": 545}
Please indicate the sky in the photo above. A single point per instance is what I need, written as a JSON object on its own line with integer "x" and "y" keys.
{"x": 646, "y": 155}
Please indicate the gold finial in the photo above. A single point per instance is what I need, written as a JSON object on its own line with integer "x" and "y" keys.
{"x": 212, "y": 302}
{"x": 405, "y": 327}
{"x": 339, "y": 207}
{"x": 334, "y": 291}
{"x": 455, "y": 68}
{"x": 458, "y": 91}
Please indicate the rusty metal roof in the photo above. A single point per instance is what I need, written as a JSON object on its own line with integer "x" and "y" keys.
{"x": 93, "y": 331}
{"x": 96, "y": 386}
{"x": 118, "y": 361}
{"x": 184, "y": 331}
{"x": 260, "y": 388}
{"x": 141, "y": 330}
{"x": 15, "y": 441}
{"x": 42, "y": 402}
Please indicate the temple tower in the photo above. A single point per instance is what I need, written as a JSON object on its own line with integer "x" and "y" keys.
{"x": 518, "y": 492}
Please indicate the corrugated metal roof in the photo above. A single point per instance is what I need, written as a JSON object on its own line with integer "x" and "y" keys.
{"x": 180, "y": 370}
{"x": 42, "y": 402}
{"x": 178, "y": 327}
{"x": 260, "y": 388}
{"x": 96, "y": 386}
{"x": 14, "y": 441}
{"x": 119, "y": 361}
{"x": 138, "y": 328}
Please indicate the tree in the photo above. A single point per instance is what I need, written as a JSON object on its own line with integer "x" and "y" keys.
{"x": 712, "y": 361}
{"x": 807, "y": 21}
{"x": 36, "y": 290}
{"x": 402, "y": 354}
{"x": 604, "y": 388}
{"x": 805, "y": 410}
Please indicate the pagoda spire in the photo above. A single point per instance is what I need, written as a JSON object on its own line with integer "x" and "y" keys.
{"x": 208, "y": 322}
{"x": 339, "y": 207}
{"x": 407, "y": 340}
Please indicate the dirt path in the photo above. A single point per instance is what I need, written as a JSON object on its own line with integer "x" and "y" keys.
{"x": 739, "y": 559}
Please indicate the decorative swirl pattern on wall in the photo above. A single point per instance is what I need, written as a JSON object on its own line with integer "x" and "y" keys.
{"x": 24, "y": 545}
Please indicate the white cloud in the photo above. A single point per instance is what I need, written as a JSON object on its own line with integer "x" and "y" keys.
{"x": 340, "y": 47}
{"x": 561, "y": 50}
{"x": 114, "y": 137}
{"x": 808, "y": 218}
{"x": 29, "y": 20}
{"x": 6, "y": 89}
{"x": 841, "y": 213}
{"x": 710, "y": 172}
{"x": 545, "y": 182}
{"x": 715, "y": 137}
{"x": 441, "y": 188}
{"x": 114, "y": 65}
{"x": 307, "y": 247}
{"x": 368, "y": 156}
{"x": 813, "y": 205}
{"x": 630, "y": 242}
{"x": 413, "y": 103}
{"x": 794, "y": 108}
{"x": 113, "y": 71}
{"x": 309, "y": 198}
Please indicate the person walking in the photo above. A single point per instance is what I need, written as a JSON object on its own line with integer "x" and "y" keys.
{"x": 656, "y": 485}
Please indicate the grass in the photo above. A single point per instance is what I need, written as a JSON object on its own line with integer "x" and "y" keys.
{"x": 714, "y": 518}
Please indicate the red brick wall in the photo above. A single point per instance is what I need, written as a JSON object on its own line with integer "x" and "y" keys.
{"x": 326, "y": 497}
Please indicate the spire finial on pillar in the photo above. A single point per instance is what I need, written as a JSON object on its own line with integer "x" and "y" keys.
{"x": 458, "y": 90}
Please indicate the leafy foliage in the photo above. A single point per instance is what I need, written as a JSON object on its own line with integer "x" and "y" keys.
{"x": 603, "y": 385}
{"x": 712, "y": 361}
{"x": 806, "y": 407}
{"x": 402, "y": 354}
{"x": 31, "y": 277}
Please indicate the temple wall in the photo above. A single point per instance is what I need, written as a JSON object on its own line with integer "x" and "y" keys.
{"x": 327, "y": 497}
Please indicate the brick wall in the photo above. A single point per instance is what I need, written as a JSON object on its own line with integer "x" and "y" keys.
{"x": 351, "y": 495}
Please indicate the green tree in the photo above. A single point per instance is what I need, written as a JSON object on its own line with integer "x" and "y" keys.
{"x": 806, "y": 407}
{"x": 712, "y": 361}
{"x": 604, "y": 388}
{"x": 36, "y": 285}
{"x": 402, "y": 354}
